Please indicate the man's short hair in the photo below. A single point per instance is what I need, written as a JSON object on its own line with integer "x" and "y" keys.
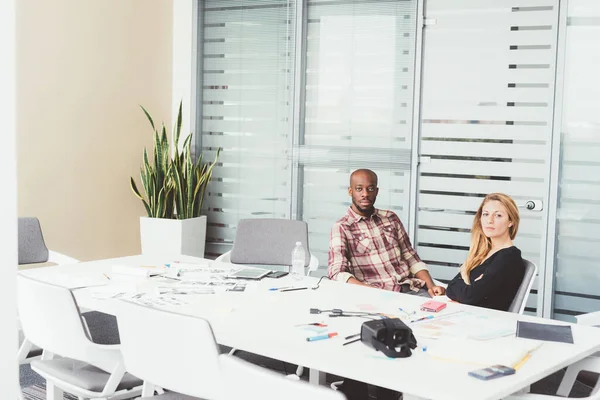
{"x": 366, "y": 171}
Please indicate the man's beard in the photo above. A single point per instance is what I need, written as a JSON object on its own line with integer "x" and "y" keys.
{"x": 367, "y": 211}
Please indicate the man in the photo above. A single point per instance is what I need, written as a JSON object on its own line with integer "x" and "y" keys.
{"x": 370, "y": 247}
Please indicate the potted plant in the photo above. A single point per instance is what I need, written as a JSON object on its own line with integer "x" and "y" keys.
{"x": 173, "y": 188}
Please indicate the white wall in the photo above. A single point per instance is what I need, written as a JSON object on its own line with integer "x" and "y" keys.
{"x": 8, "y": 205}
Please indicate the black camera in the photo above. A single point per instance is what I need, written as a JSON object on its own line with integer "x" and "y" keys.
{"x": 388, "y": 335}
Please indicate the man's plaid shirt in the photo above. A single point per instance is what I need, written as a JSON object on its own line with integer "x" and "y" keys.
{"x": 375, "y": 250}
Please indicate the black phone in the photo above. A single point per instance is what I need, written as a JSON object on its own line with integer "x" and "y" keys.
{"x": 277, "y": 274}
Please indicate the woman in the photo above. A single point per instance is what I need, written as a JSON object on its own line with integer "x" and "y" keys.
{"x": 494, "y": 268}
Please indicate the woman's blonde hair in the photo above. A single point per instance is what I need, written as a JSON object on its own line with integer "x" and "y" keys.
{"x": 481, "y": 244}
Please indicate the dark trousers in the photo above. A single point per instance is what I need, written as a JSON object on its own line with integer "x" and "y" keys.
{"x": 355, "y": 390}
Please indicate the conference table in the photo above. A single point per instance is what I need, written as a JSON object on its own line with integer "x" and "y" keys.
{"x": 274, "y": 323}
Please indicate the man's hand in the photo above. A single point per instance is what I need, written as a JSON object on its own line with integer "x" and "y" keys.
{"x": 355, "y": 281}
{"x": 437, "y": 291}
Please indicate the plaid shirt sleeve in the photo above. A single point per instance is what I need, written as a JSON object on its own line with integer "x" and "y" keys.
{"x": 338, "y": 255}
{"x": 408, "y": 252}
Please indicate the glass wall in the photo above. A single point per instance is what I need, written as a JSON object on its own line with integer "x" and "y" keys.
{"x": 577, "y": 272}
{"x": 247, "y": 59}
{"x": 355, "y": 107}
{"x": 358, "y": 108}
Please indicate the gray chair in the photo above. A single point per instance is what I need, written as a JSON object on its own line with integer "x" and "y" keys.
{"x": 33, "y": 250}
{"x": 520, "y": 300}
{"x": 269, "y": 241}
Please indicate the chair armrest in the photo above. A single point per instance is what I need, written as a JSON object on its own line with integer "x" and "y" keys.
{"x": 60, "y": 259}
{"x": 589, "y": 319}
{"x": 225, "y": 257}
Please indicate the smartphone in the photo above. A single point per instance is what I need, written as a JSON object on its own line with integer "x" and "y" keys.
{"x": 277, "y": 274}
{"x": 495, "y": 371}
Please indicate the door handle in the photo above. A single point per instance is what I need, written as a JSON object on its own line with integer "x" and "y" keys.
{"x": 532, "y": 205}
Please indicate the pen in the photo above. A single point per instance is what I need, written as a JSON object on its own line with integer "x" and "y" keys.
{"x": 352, "y": 336}
{"x": 168, "y": 277}
{"x": 279, "y": 288}
{"x": 406, "y": 312}
{"x": 291, "y": 289}
{"x": 321, "y": 337}
{"x": 352, "y": 341}
{"x": 422, "y": 318}
{"x": 106, "y": 276}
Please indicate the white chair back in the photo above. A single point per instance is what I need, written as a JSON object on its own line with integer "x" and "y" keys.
{"x": 51, "y": 320}
{"x": 173, "y": 351}
{"x": 254, "y": 382}
{"x": 520, "y": 300}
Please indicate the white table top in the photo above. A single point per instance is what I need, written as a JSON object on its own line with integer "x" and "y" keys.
{"x": 264, "y": 322}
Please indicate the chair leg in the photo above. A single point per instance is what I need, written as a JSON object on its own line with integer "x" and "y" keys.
{"x": 232, "y": 351}
{"x": 316, "y": 377}
{"x": 300, "y": 370}
{"x": 147, "y": 389}
{"x": 53, "y": 392}
{"x": 587, "y": 364}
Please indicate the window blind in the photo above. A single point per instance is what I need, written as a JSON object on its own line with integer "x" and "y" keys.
{"x": 247, "y": 74}
{"x": 358, "y": 108}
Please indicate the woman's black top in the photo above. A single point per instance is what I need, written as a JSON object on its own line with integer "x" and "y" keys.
{"x": 494, "y": 282}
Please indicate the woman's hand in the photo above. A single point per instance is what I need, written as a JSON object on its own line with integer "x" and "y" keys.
{"x": 437, "y": 291}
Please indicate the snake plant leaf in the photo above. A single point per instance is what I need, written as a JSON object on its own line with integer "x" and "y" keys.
{"x": 177, "y": 128}
{"x": 160, "y": 208}
{"x": 149, "y": 117}
{"x": 179, "y": 195}
{"x": 172, "y": 182}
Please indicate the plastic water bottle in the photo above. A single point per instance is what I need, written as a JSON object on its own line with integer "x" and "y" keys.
{"x": 298, "y": 259}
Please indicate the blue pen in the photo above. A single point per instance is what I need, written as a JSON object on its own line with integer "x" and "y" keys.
{"x": 321, "y": 337}
{"x": 406, "y": 312}
{"x": 422, "y": 318}
{"x": 279, "y": 288}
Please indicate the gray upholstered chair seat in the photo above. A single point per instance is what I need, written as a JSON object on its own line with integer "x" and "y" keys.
{"x": 81, "y": 374}
{"x": 171, "y": 396}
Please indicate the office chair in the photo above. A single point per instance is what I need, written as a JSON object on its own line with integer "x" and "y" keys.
{"x": 33, "y": 250}
{"x": 520, "y": 300}
{"x": 587, "y": 371}
{"x": 583, "y": 365}
{"x": 51, "y": 319}
{"x": 269, "y": 241}
{"x": 179, "y": 353}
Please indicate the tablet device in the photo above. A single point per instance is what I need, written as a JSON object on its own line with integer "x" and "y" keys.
{"x": 250, "y": 273}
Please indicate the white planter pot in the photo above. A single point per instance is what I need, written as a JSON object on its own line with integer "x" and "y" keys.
{"x": 173, "y": 237}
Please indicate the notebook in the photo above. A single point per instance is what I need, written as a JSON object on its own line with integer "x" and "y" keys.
{"x": 551, "y": 333}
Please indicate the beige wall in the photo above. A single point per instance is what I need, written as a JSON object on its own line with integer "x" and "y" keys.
{"x": 82, "y": 69}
